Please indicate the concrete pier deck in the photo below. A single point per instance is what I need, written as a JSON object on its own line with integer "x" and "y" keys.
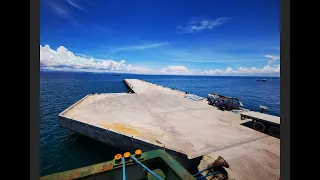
{"x": 156, "y": 116}
{"x": 262, "y": 117}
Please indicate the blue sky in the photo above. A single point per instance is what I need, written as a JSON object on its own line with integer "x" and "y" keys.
{"x": 211, "y": 37}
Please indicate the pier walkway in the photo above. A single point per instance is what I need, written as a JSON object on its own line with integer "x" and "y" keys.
{"x": 158, "y": 117}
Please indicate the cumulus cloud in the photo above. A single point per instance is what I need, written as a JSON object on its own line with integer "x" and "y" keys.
{"x": 200, "y": 24}
{"x": 272, "y": 58}
{"x": 214, "y": 72}
{"x": 175, "y": 70}
{"x": 63, "y": 59}
{"x": 266, "y": 70}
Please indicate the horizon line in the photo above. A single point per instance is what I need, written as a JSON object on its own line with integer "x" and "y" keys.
{"x": 205, "y": 75}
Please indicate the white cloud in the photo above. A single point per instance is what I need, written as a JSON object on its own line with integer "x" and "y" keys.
{"x": 83, "y": 55}
{"x": 63, "y": 59}
{"x": 175, "y": 70}
{"x": 266, "y": 70}
{"x": 272, "y": 58}
{"x": 229, "y": 70}
{"x": 214, "y": 72}
{"x": 217, "y": 61}
{"x": 73, "y": 3}
{"x": 138, "y": 47}
{"x": 200, "y": 24}
{"x": 60, "y": 10}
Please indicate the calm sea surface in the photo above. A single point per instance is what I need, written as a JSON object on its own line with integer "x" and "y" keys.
{"x": 63, "y": 150}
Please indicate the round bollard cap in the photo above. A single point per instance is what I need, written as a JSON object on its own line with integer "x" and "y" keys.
{"x": 126, "y": 154}
{"x": 117, "y": 156}
{"x": 138, "y": 152}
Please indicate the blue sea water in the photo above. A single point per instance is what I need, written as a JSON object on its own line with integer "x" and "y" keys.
{"x": 61, "y": 149}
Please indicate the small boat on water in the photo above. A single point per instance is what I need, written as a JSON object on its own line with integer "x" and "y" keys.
{"x": 151, "y": 165}
{"x": 116, "y": 74}
{"x": 263, "y": 80}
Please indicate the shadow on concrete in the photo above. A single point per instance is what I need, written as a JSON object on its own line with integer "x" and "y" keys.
{"x": 248, "y": 124}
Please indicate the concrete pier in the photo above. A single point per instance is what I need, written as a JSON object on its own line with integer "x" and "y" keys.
{"x": 158, "y": 117}
{"x": 274, "y": 120}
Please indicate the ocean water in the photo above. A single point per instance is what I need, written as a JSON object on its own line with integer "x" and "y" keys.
{"x": 62, "y": 150}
